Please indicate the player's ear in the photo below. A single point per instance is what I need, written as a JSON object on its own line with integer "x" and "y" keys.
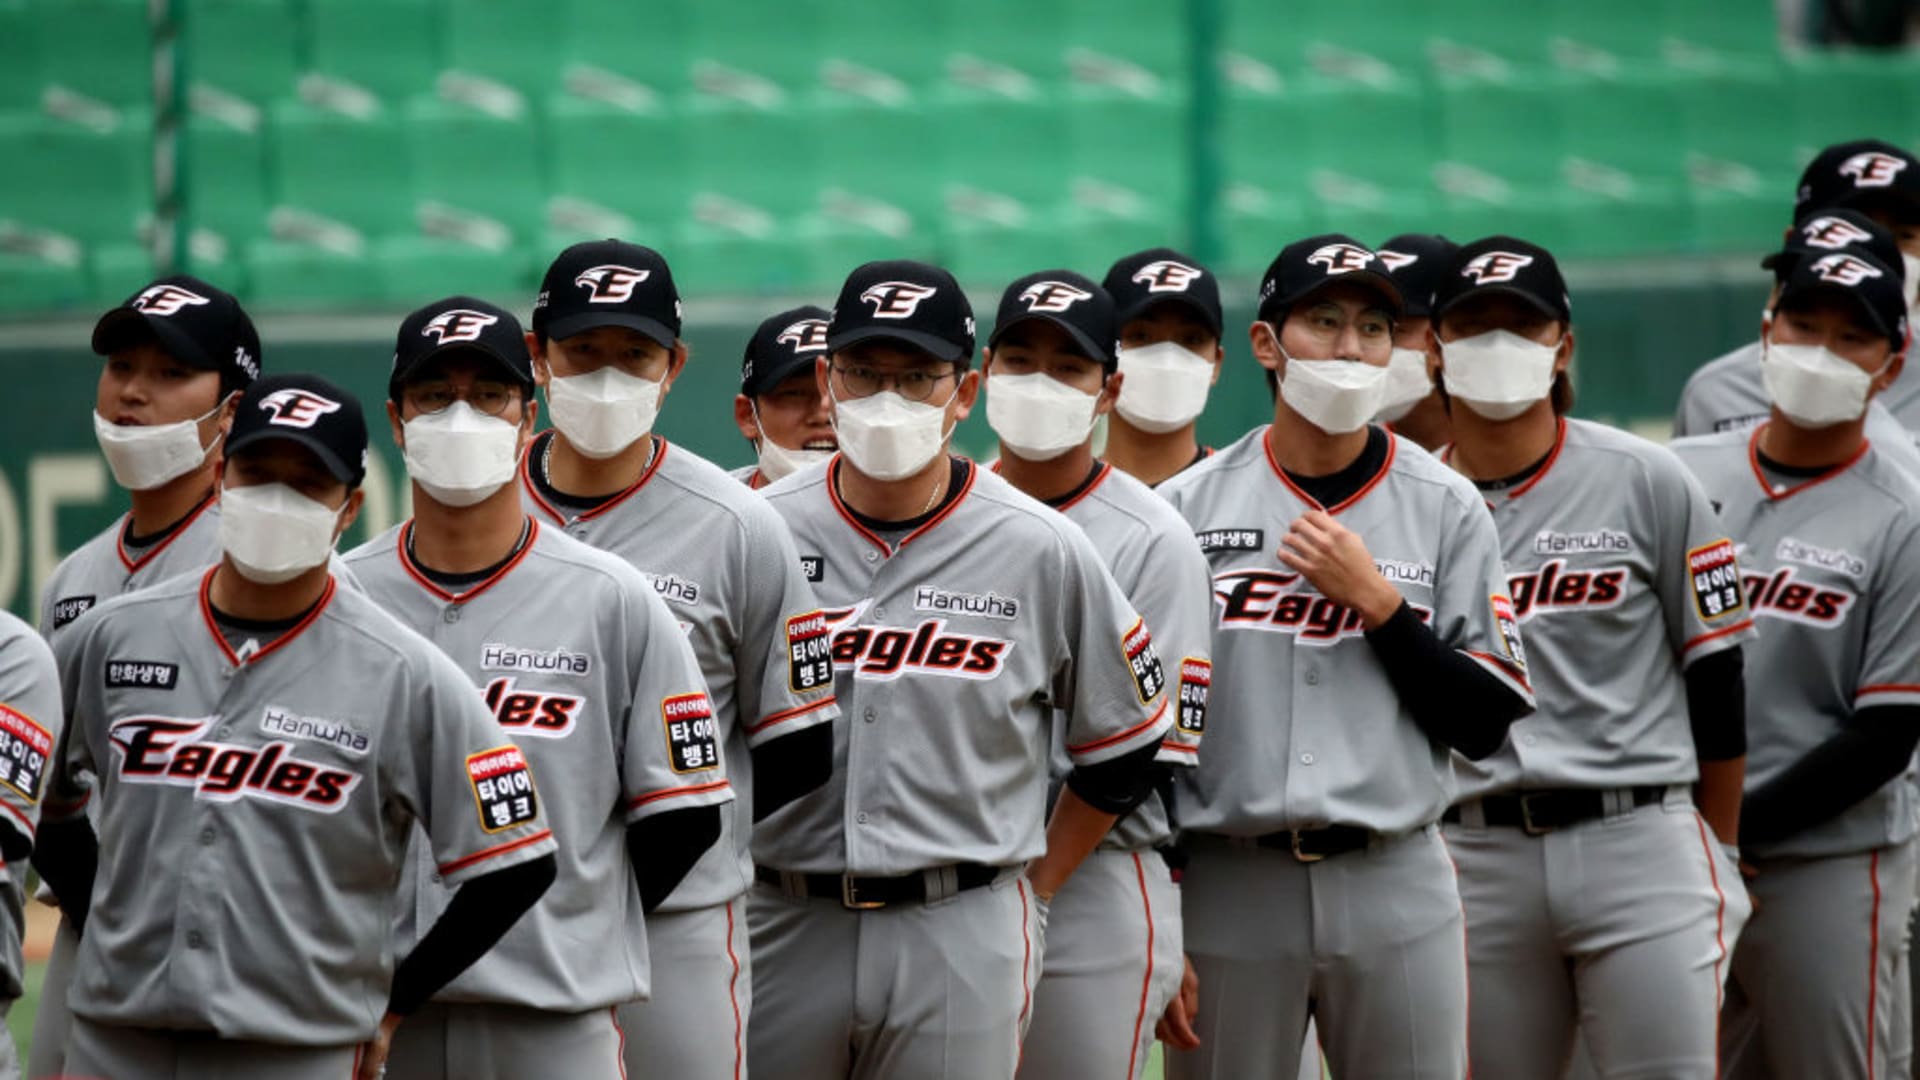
{"x": 1219, "y": 361}
{"x": 541, "y": 372}
{"x": 398, "y": 427}
{"x": 350, "y": 512}
{"x": 965, "y": 395}
{"x": 1265, "y": 339}
{"x": 1433, "y": 350}
{"x": 743, "y": 418}
{"x": 1889, "y": 373}
{"x": 1110, "y": 393}
{"x": 1565, "y": 358}
{"x": 986, "y": 360}
{"x": 820, "y": 367}
{"x": 529, "y": 415}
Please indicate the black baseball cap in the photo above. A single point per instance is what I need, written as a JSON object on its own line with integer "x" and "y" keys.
{"x": 608, "y": 283}
{"x": 1067, "y": 300}
{"x": 1873, "y": 286}
{"x": 784, "y": 344}
{"x": 1833, "y": 230}
{"x": 460, "y": 324}
{"x": 308, "y": 410}
{"x": 1305, "y": 266}
{"x": 197, "y": 324}
{"x": 1860, "y": 173}
{"x": 1503, "y": 264}
{"x": 910, "y": 302}
{"x": 1416, "y": 261}
{"x": 1158, "y": 276}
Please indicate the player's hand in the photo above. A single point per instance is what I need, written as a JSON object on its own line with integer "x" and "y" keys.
{"x": 1176, "y": 1024}
{"x": 1335, "y": 561}
{"x": 373, "y": 1052}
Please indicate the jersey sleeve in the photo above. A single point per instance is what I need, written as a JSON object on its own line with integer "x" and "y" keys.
{"x": 1698, "y": 575}
{"x": 1118, "y": 702}
{"x": 670, "y": 755}
{"x": 1890, "y": 657}
{"x": 31, "y": 721}
{"x": 1472, "y": 612}
{"x": 785, "y": 658}
{"x": 1174, "y": 596}
{"x": 73, "y": 769}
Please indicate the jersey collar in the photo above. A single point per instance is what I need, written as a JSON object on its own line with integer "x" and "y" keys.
{"x": 1094, "y": 479}
{"x": 833, "y": 494}
{"x": 660, "y": 446}
{"x": 1386, "y": 466}
{"x": 401, "y": 544}
{"x": 1524, "y": 486}
{"x": 1760, "y": 475}
{"x": 213, "y": 628}
{"x": 133, "y": 565}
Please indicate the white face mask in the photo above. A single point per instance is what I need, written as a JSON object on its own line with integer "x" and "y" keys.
{"x": 1165, "y": 387}
{"x": 460, "y": 456}
{"x": 272, "y": 533}
{"x": 604, "y": 412}
{"x": 1037, "y": 416}
{"x": 1336, "y": 396}
{"x": 1812, "y": 386}
{"x": 1498, "y": 374}
{"x": 147, "y": 456}
{"x": 888, "y": 437}
{"x": 1407, "y": 384}
{"x": 1912, "y": 264}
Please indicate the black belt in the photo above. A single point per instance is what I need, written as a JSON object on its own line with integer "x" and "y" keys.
{"x": 868, "y": 893}
{"x": 1538, "y": 812}
{"x": 1312, "y": 845}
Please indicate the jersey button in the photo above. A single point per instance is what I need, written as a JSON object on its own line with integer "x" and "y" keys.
{"x": 207, "y": 835}
{"x": 879, "y": 613}
{"x": 861, "y": 817}
{"x": 872, "y": 556}
{"x": 1313, "y": 678}
{"x": 452, "y": 615}
{"x": 1306, "y": 759}
{"x": 868, "y": 716}
{"x": 195, "y": 940}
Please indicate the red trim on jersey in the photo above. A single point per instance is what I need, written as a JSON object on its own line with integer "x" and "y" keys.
{"x": 1753, "y": 460}
{"x": 419, "y": 575}
{"x": 1100, "y": 478}
{"x": 120, "y": 535}
{"x": 660, "y": 446}
{"x": 953, "y": 503}
{"x": 1124, "y": 735}
{"x": 733, "y": 996}
{"x": 1873, "y": 957}
{"x": 1180, "y": 748}
{"x": 1719, "y": 933}
{"x": 1559, "y": 443}
{"x": 1146, "y": 981}
{"x": 1743, "y": 624}
{"x": 1266, "y": 443}
{"x": 206, "y": 614}
{"x": 788, "y": 714}
{"x": 1519, "y": 675}
{"x": 498, "y": 849}
{"x": 756, "y": 481}
{"x": 671, "y": 793}
{"x": 1026, "y": 961}
{"x": 620, "y": 1051}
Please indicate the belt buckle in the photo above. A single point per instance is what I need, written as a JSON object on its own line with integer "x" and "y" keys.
{"x": 1527, "y": 824}
{"x": 850, "y": 901}
{"x": 1302, "y": 856}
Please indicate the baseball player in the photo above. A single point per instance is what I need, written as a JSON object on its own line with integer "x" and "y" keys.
{"x": 1412, "y": 407}
{"x": 177, "y": 352}
{"x": 261, "y": 744}
{"x": 1113, "y": 959}
{"x": 1168, "y": 309}
{"x": 1880, "y": 181}
{"x": 780, "y": 409}
{"x": 606, "y": 342}
{"x": 1830, "y": 555}
{"x": 30, "y": 722}
{"x": 1596, "y": 896}
{"x": 898, "y": 928}
{"x": 1361, "y": 633}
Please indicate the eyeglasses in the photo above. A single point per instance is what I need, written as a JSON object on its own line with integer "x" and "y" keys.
{"x": 1326, "y": 322}
{"x": 862, "y": 381}
{"x": 487, "y": 396}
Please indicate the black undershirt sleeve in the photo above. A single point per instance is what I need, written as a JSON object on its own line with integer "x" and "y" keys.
{"x": 1717, "y": 705}
{"x": 480, "y": 913}
{"x": 1455, "y": 701}
{"x": 1873, "y": 748}
{"x": 665, "y": 846}
{"x": 66, "y": 857}
{"x": 1117, "y": 785}
{"x": 790, "y": 766}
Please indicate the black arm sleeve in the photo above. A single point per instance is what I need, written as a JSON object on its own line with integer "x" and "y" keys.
{"x": 665, "y": 846}
{"x": 790, "y": 766}
{"x": 67, "y": 856}
{"x": 1717, "y": 705}
{"x": 1117, "y": 785}
{"x": 1872, "y": 749}
{"x": 480, "y": 913}
{"x": 15, "y": 845}
{"x": 1455, "y": 701}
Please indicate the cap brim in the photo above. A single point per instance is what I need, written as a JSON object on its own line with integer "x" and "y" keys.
{"x": 1821, "y": 288}
{"x": 517, "y": 374}
{"x": 1544, "y": 307}
{"x": 1768, "y": 262}
{"x": 1088, "y": 347}
{"x": 340, "y": 470}
{"x": 564, "y": 328}
{"x": 766, "y": 379}
{"x": 1149, "y": 302}
{"x": 1375, "y": 279}
{"x": 122, "y": 326}
{"x": 941, "y": 348}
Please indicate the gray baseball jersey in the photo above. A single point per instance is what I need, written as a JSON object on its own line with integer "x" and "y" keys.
{"x": 1307, "y": 730}
{"x": 104, "y": 567}
{"x": 30, "y": 723}
{"x": 1727, "y": 394}
{"x": 1832, "y": 572}
{"x": 1610, "y": 538}
{"x": 726, "y": 567}
{"x": 255, "y": 813}
{"x": 744, "y": 474}
{"x": 951, "y": 646}
{"x": 603, "y": 696}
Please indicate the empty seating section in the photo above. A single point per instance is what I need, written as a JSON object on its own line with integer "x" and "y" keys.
{"x": 373, "y": 151}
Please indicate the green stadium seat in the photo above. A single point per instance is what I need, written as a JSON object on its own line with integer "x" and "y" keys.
{"x": 94, "y": 186}
{"x": 413, "y": 270}
{"x": 294, "y": 275}
{"x": 765, "y": 159}
{"x": 783, "y": 47}
{"x": 1037, "y": 49}
{"x": 612, "y": 158}
{"x": 908, "y": 43}
{"x": 351, "y": 170}
{"x": 1504, "y": 127}
{"x": 1734, "y": 219}
{"x": 1129, "y": 143}
{"x": 100, "y": 48}
{"x": 712, "y": 258}
{"x": 985, "y": 254}
{"x": 391, "y": 47}
{"x": 880, "y": 152}
{"x": 1149, "y": 34}
{"x": 249, "y": 48}
{"x": 1725, "y": 30}
{"x": 225, "y": 171}
{"x": 1002, "y": 146}
{"x": 517, "y": 42}
{"x": 119, "y": 269}
{"x": 1382, "y": 135}
{"x": 1368, "y": 212}
{"x": 644, "y": 42}
{"x": 1631, "y": 32}
{"x": 1840, "y": 96}
{"x": 1095, "y": 238}
{"x": 1492, "y": 27}
{"x": 21, "y": 77}
{"x": 1631, "y": 122}
{"x": 29, "y": 283}
{"x": 837, "y": 246}
{"x": 1742, "y": 115}
{"x": 477, "y": 163}
{"x": 1639, "y": 218}
{"x": 1393, "y": 31}
{"x": 1253, "y": 224}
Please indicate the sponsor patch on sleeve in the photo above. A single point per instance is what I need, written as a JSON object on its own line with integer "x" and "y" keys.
{"x": 1714, "y": 570}
{"x": 1509, "y": 628}
{"x": 1143, "y": 662}
{"x": 68, "y": 608}
{"x": 502, "y": 788}
{"x": 809, "y": 652}
{"x": 25, "y": 748}
{"x": 693, "y": 742}
{"x": 1196, "y": 679}
{"x": 141, "y": 674}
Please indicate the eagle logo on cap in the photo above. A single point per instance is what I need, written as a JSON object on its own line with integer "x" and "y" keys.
{"x": 1394, "y": 260}
{"x": 1843, "y": 269}
{"x": 896, "y": 299}
{"x": 1494, "y": 267}
{"x": 166, "y": 300}
{"x": 611, "y": 284}
{"x": 1872, "y": 168}
{"x": 807, "y": 335}
{"x": 1833, "y": 233}
{"x": 1052, "y": 297}
{"x": 460, "y": 324}
{"x": 294, "y": 407}
{"x": 1341, "y": 258}
{"x": 1166, "y": 275}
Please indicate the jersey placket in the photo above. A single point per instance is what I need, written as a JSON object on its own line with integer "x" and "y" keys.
{"x": 873, "y": 716}
{"x": 196, "y": 945}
